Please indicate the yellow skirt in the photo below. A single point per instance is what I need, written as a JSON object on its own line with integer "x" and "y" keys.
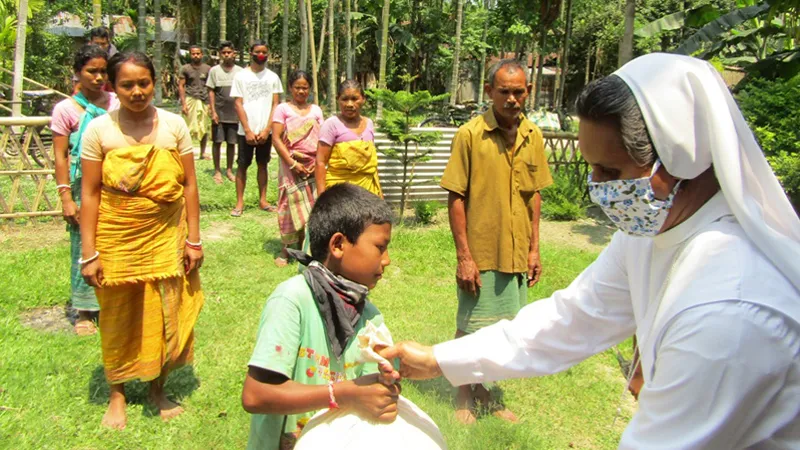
{"x": 148, "y": 326}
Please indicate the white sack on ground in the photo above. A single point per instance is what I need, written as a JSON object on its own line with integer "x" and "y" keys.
{"x": 336, "y": 429}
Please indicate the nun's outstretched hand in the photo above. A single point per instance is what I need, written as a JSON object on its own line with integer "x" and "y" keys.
{"x": 416, "y": 360}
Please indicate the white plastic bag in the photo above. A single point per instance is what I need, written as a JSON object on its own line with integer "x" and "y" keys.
{"x": 336, "y": 429}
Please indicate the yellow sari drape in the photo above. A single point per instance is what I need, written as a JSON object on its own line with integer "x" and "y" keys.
{"x": 354, "y": 162}
{"x": 149, "y": 305}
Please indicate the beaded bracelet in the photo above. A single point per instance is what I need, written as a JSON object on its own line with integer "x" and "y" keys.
{"x": 332, "y": 403}
{"x": 82, "y": 261}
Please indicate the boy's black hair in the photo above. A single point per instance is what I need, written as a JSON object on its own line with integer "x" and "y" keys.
{"x": 226, "y": 44}
{"x": 134, "y": 57}
{"x": 258, "y": 42}
{"x": 195, "y": 46}
{"x": 344, "y": 208}
{"x": 87, "y": 53}
{"x": 100, "y": 32}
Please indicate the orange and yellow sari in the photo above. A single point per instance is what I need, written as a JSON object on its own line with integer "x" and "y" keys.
{"x": 149, "y": 305}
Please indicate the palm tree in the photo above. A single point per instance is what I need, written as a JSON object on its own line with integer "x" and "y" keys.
{"x": 267, "y": 21}
{"x": 19, "y": 58}
{"x": 97, "y": 13}
{"x": 203, "y": 24}
{"x": 142, "y": 26}
{"x": 301, "y": 11}
{"x": 285, "y": 45}
{"x": 384, "y": 51}
{"x": 348, "y": 40}
{"x": 456, "y": 54}
{"x": 157, "y": 49}
{"x": 482, "y": 66}
{"x": 565, "y": 55}
{"x": 332, "y": 59}
{"x": 223, "y": 19}
{"x": 626, "y": 44}
{"x": 178, "y": 24}
{"x": 314, "y": 65}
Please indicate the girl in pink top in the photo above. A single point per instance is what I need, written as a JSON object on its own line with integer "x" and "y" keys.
{"x": 298, "y": 124}
{"x": 69, "y": 119}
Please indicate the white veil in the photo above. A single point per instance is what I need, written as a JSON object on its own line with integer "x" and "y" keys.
{"x": 694, "y": 122}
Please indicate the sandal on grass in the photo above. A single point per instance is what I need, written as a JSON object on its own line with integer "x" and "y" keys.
{"x": 85, "y": 328}
{"x": 269, "y": 208}
{"x": 236, "y": 212}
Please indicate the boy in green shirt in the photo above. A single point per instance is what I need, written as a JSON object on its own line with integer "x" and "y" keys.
{"x": 306, "y": 352}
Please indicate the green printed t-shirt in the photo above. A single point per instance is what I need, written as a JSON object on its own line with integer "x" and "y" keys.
{"x": 292, "y": 341}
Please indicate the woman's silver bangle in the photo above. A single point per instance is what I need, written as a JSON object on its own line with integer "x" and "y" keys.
{"x": 82, "y": 261}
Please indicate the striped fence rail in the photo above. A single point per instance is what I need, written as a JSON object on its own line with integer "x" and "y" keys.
{"x": 562, "y": 149}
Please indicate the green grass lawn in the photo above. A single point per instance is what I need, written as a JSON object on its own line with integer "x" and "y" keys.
{"x": 53, "y": 394}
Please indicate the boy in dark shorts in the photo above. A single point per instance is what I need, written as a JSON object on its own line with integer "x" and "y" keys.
{"x": 256, "y": 92}
{"x": 306, "y": 352}
{"x": 224, "y": 121}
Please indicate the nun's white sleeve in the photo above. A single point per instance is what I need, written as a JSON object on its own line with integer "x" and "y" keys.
{"x": 727, "y": 376}
{"x": 549, "y": 335}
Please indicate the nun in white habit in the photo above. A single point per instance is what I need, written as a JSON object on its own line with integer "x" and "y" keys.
{"x": 705, "y": 270}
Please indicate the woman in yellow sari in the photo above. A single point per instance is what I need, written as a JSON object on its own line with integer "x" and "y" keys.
{"x": 141, "y": 237}
{"x": 346, "y": 152}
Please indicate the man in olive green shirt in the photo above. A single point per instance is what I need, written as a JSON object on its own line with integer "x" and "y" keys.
{"x": 497, "y": 168}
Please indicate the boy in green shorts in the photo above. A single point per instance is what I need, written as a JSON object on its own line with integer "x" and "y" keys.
{"x": 306, "y": 352}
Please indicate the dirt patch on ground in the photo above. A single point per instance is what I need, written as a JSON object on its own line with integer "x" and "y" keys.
{"x": 592, "y": 233}
{"x": 218, "y": 231}
{"x": 53, "y": 319}
{"x": 32, "y": 236}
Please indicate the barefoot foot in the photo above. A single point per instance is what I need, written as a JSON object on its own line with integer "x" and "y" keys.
{"x": 465, "y": 403}
{"x": 231, "y": 176}
{"x": 115, "y": 416}
{"x": 218, "y": 177}
{"x": 167, "y": 408}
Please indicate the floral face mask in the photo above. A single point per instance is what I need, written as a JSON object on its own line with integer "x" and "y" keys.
{"x": 631, "y": 204}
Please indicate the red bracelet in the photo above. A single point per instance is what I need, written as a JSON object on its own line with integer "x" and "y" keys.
{"x": 332, "y": 403}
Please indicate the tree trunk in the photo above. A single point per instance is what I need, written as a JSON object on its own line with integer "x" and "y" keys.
{"x": 457, "y": 53}
{"x": 348, "y": 40}
{"x": 285, "y": 46}
{"x": 267, "y": 21}
{"x": 588, "y": 65}
{"x": 223, "y": 19}
{"x": 626, "y": 44}
{"x": 97, "y": 13}
{"x": 482, "y": 64}
{"x": 331, "y": 59}
{"x": 142, "y": 26}
{"x": 314, "y": 65}
{"x": 565, "y": 54}
{"x": 354, "y": 38}
{"x": 384, "y": 52}
{"x": 157, "y": 44}
{"x": 597, "y": 58}
{"x": 301, "y": 11}
{"x": 203, "y": 25}
{"x": 322, "y": 33}
{"x": 178, "y": 25}
{"x": 540, "y": 65}
{"x": 19, "y": 58}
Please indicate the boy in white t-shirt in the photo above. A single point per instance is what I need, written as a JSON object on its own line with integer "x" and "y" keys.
{"x": 256, "y": 92}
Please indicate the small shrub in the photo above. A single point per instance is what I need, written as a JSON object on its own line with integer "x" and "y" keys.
{"x": 772, "y": 108}
{"x": 425, "y": 211}
{"x": 787, "y": 169}
{"x": 563, "y": 200}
